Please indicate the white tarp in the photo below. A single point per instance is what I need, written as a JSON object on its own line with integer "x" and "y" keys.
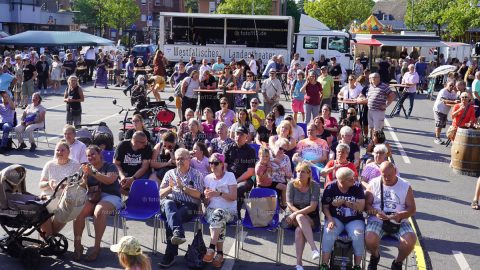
{"x": 308, "y": 23}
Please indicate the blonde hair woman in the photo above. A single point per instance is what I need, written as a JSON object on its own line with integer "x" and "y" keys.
{"x": 284, "y": 130}
{"x": 73, "y": 97}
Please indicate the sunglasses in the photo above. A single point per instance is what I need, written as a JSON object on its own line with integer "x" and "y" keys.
{"x": 215, "y": 163}
{"x": 254, "y": 102}
{"x": 269, "y": 119}
{"x": 283, "y": 149}
{"x": 463, "y": 97}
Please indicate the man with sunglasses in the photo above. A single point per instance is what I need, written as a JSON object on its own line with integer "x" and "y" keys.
{"x": 445, "y": 100}
{"x": 132, "y": 159}
{"x": 240, "y": 160}
{"x": 180, "y": 194}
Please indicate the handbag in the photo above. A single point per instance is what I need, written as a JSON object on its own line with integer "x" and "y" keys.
{"x": 195, "y": 252}
{"x": 94, "y": 194}
{"x": 452, "y": 130}
{"x": 388, "y": 227}
{"x": 261, "y": 210}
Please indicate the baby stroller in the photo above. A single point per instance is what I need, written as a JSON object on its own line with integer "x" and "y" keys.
{"x": 100, "y": 135}
{"x": 23, "y": 213}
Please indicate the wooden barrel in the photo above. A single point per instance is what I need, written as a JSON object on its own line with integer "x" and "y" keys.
{"x": 466, "y": 151}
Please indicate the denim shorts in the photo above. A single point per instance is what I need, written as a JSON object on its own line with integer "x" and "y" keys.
{"x": 113, "y": 199}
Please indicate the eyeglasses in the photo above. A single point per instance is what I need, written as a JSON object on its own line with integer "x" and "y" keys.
{"x": 253, "y": 102}
{"x": 215, "y": 163}
{"x": 283, "y": 149}
{"x": 269, "y": 119}
{"x": 351, "y": 79}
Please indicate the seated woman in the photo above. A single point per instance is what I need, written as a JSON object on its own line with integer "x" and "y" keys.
{"x": 284, "y": 131}
{"x": 341, "y": 161}
{"x": 138, "y": 125}
{"x": 243, "y": 120}
{"x": 221, "y": 195}
{"x": 302, "y": 213}
{"x": 104, "y": 175}
{"x": 378, "y": 137}
{"x": 322, "y": 133}
{"x": 279, "y": 112}
{"x": 281, "y": 168}
{"x": 343, "y": 202}
{"x": 346, "y": 135}
{"x": 297, "y": 131}
{"x": 313, "y": 150}
{"x": 218, "y": 144}
{"x": 331, "y": 123}
{"x": 33, "y": 117}
{"x": 53, "y": 172}
{"x": 372, "y": 169}
{"x": 352, "y": 121}
{"x": 183, "y": 127}
{"x": 225, "y": 114}
{"x": 208, "y": 126}
{"x": 265, "y": 132}
{"x": 199, "y": 159}
{"x": 163, "y": 158}
{"x": 194, "y": 135}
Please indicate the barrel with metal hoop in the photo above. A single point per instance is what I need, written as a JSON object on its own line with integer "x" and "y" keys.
{"x": 466, "y": 151}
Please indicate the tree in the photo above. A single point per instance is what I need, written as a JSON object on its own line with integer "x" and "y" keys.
{"x": 261, "y": 7}
{"x": 293, "y": 10}
{"x": 121, "y": 13}
{"x": 191, "y": 6}
{"x": 87, "y": 13}
{"x": 427, "y": 14}
{"x": 339, "y": 14}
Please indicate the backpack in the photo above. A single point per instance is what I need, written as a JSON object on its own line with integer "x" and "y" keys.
{"x": 195, "y": 252}
{"x": 103, "y": 135}
{"x": 177, "y": 92}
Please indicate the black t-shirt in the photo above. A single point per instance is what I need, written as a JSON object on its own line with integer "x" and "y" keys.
{"x": 265, "y": 134}
{"x": 131, "y": 161}
{"x": 364, "y": 62}
{"x": 239, "y": 159}
{"x": 28, "y": 71}
{"x": 130, "y": 132}
{"x": 71, "y": 65}
{"x": 326, "y": 134}
{"x": 323, "y": 63}
{"x": 113, "y": 188}
{"x": 403, "y": 55}
{"x": 353, "y": 149}
{"x": 343, "y": 213}
{"x": 162, "y": 157}
{"x": 209, "y": 82}
{"x": 335, "y": 70}
{"x": 42, "y": 68}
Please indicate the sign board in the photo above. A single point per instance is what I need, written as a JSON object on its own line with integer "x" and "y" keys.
{"x": 176, "y": 52}
{"x": 134, "y": 27}
{"x": 212, "y": 7}
{"x": 149, "y": 23}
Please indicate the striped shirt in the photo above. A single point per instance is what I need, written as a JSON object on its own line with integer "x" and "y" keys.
{"x": 192, "y": 179}
{"x": 377, "y": 96}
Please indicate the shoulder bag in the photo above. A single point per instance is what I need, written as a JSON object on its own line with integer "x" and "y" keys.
{"x": 388, "y": 227}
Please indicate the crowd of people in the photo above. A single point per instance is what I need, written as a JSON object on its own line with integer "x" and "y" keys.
{"x": 220, "y": 154}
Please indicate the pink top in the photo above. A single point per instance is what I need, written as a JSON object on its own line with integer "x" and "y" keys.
{"x": 209, "y": 129}
{"x": 331, "y": 123}
{"x": 228, "y": 119}
{"x": 264, "y": 173}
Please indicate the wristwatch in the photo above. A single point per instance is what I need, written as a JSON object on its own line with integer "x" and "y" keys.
{"x": 94, "y": 172}
{"x": 184, "y": 188}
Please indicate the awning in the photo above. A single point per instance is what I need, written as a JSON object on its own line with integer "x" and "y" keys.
{"x": 412, "y": 43}
{"x": 55, "y": 38}
{"x": 368, "y": 42}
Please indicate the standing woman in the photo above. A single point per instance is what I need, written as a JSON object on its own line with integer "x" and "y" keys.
{"x": 250, "y": 84}
{"x": 189, "y": 98}
{"x": 56, "y": 72}
{"x": 312, "y": 91}
{"x": 102, "y": 75}
{"x": 159, "y": 63}
{"x": 73, "y": 96}
{"x": 302, "y": 213}
{"x": 227, "y": 82}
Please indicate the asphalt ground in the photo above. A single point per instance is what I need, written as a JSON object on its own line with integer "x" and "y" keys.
{"x": 447, "y": 227}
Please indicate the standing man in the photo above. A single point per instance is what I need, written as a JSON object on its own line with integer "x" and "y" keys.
{"x": 335, "y": 70}
{"x": 219, "y": 65}
{"x": 6, "y": 80}
{"x": 411, "y": 79}
{"x": 204, "y": 67}
{"x": 445, "y": 100}
{"x": 29, "y": 76}
{"x": 7, "y": 112}
{"x": 43, "y": 69}
{"x": 91, "y": 61}
{"x": 379, "y": 97}
{"x": 271, "y": 90}
{"x": 191, "y": 65}
{"x": 240, "y": 160}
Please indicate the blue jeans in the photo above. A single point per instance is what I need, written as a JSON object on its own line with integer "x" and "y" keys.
{"x": 311, "y": 111}
{"x": 355, "y": 230}
{"x": 6, "y": 128}
{"x": 176, "y": 214}
{"x": 411, "y": 96}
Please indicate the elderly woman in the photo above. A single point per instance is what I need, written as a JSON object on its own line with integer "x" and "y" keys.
{"x": 219, "y": 144}
{"x": 343, "y": 202}
{"x": 346, "y": 134}
{"x": 194, "y": 135}
{"x": 221, "y": 195}
{"x": 281, "y": 168}
{"x": 341, "y": 161}
{"x": 104, "y": 176}
{"x": 73, "y": 97}
{"x": 322, "y": 133}
{"x": 53, "y": 172}
{"x": 372, "y": 169}
{"x": 33, "y": 117}
{"x": 312, "y": 149}
{"x": 302, "y": 213}
{"x": 331, "y": 123}
{"x": 138, "y": 125}
{"x": 243, "y": 119}
{"x": 163, "y": 158}
{"x": 208, "y": 126}
{"x": 463, "y": 114}
{"x": 183, "y": 128}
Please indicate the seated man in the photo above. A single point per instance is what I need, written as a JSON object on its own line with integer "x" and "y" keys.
{"x": 180, "y": 193}
{"x": 7, "y": 110}
{"x": 132, "y": 159}
{"x": 78, "y": 150}
{"x": 389, "y": 201}
{"x": 33, "y": 117}
{"x": 240, "y": 159}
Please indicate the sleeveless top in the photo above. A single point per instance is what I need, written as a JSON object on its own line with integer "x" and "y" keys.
{"x": 393, "y": 196}
{"x": 74, "y": 94}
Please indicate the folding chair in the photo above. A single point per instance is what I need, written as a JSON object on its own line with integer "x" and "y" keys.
{"x": 258, "y": 193}
{"x": 143, "y": 203}
{"x": 38, "y": 131}
{"x": 108, "y": 155}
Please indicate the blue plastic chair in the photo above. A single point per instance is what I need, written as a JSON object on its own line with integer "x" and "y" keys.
{"x": 161, "y": 219}
{"x": 143, "y": 203}
{"x": 274, "y": 224}
{"x": 256, "y": 147}
{"x": 108, "y": 155}
{"x": 315, "y": 174}
{"x": 304, "y": 127}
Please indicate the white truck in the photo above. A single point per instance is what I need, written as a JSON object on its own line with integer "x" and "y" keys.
{"x": 183, "y": 35}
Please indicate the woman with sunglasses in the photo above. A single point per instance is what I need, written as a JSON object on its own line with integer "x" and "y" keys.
{"x": 163, "y": 157}
{"x": 225, "y": 114}
{"x": 256, "y": 115}
{"x": 281, "y": 169}
{"x": 463, "y": 113}
{"x": 267, "y": 131}
{"x": 250, "y": 85}
{"x": 221, "y": 200}
{"x": 138, "y": 125}
{"x": 350, "y": 91}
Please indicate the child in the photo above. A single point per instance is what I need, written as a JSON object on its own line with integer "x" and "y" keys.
{"x": 130, "y": 254}
{"x": 200, "y": 158}
{"x": 263, "y": 168}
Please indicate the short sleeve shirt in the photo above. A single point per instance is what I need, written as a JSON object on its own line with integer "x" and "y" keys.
{"x": 113, "y": 188}
{"x": 131, "y": 160}
{"x": 192, "y": 179}
{"x": 377, "y": 97}
{"x": 221, "y": 185}
{"x": 343, "y": 213}
{"x": 239, "y": 159}
{"x": 303, "y": 199}
{"x": 312, "y": 149}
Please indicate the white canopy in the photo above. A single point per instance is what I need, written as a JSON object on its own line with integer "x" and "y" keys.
{"x": 308, "y": 23}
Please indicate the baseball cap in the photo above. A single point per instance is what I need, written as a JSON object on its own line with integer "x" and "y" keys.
{"x": 272, "y": 70}
{"x": 128, "y": 245}
{"x": 26, "y": 58}
{"x": 323, "y": 67}
{"x": 241, "y": 129}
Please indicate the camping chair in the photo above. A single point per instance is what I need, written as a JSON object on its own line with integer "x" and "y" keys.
{"x": 37, "y": 132}
{"x": 143, "y": 203}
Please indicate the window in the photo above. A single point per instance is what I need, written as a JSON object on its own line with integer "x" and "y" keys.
{"x": 144, "y": 17}
{"x": 144, "y": 2}
{"x": 168, "y": 3}
{"x": 324, "y": 43}
{"x": 310, "y": 42}
{"x": 257, "y": 33}
{"x": 340, "y": 44}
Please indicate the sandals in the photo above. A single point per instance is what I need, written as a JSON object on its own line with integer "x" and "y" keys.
{"x": 92, "y": 254}
{"x": 475, "y": 205}
{"x": 77, "y": 253}
{"x": 218, "y": 261}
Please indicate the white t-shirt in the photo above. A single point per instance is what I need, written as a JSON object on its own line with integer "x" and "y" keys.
{"x": 253, "y": 66}
{"x": 221, "y": 185}
{"x": 394, "y": 197}
{"x": 444, "y": 94}
{"x": 349, "y": 93}
{"x": 54, "y": 171}
{"x": 297, "y": 132}
{"x": 203, "y": 69}
{"x": 78, "y": 152}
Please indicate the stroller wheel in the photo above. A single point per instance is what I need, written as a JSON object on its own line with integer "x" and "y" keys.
{"x": 30, "y": 257}
{"x": 57, "y": 245}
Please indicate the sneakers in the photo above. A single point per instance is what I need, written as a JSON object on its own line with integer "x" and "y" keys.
{"x": 438, "y": 141}
{"x": 33, "y": 146}
{"x": 324, "y": 266}
{"x": 357, "y": 267}
{"x": 22, "y": 146}
{"x": 396, "y": 265}
{"x": 372, "y": 265}
{"x": 298, "y": 267}
{"x": 178, "y": 238}
{"x": 167, "y": 260}
{"x": 218, "y": 261}
{"x": 208, "y": 257}
{"x": 315, "y": 255}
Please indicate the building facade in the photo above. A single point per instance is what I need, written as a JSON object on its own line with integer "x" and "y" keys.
{"x": 209, "y": 6}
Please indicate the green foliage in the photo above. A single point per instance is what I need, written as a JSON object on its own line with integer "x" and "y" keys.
{"x": 120, "y": 13}
{"x": 293, "y": 10}
{"x": 87, "y": 12}
{"x": 339, "y": 14}
{"x": 191, "y": 6}
{"x": 261, "y": 7}
{"x": 426, "y": 13}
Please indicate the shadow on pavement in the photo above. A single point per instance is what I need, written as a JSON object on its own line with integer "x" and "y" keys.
{"x": 430, "y": 217}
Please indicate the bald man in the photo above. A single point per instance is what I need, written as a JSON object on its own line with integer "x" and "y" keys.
{"x": 395, "y": 207}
